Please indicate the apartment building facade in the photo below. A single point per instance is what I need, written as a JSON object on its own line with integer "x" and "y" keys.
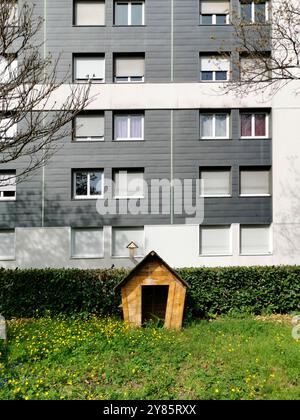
{"x": 159, "y": 112}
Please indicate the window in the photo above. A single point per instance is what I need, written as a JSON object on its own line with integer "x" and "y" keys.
{"x": 214, "y": 126}
{"x": 89, "y": 127}
{"x": 215, "y": 182}
{"x": 7, "y": 244}
{"x": 214, "y": 12}
{"x": 256, "y": 11}
{"x": 254, "y": 124}
{"x": 87, "y": 243}
{"x": 7, "y": 186}
{"x": 215, "y": 240}
{"x": 88, "y": 184}
{"x": 129, "y": 68}
{"x": 129, "y": 183}
{"x": 89, "y": 68}
{"x": 214, "y": 68}
{"x": 129, "y": 127}
{"x": 255, "y": 181}
{"x": 89, "y": 13}
{"x": 254, "y": 69}
{"x": 255, "y": 240}
{"x": 123, "y": 236}
{"x": 129, "y": 13}
{"x": 8, "y": 68}
{"x": 8, "y": 129}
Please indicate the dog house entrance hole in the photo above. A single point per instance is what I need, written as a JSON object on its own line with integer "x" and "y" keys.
{"x": 154, "y": 302}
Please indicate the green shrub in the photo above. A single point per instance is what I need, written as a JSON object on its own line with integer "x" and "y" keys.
{"x": 256, "y": 290}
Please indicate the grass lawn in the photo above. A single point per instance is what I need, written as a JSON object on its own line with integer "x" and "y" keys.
{"x": 78, "y": 358}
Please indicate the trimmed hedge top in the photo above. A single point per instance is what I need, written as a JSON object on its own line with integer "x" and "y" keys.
{"x": 256, "y": 290}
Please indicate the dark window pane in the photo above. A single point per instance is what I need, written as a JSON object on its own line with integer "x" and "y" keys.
{"x": 136, "y": 78}
{"x": 260, "y": 12}
{"x": 246, "y": 14}
{"x": 221, "y": 75}
{"x": 95, "y": 183}
{"x": 260, "y": 124}
{"x": 246, "y": 125}
{"x": 9, "y": 193}
{"x": 220, "y": 19}
{"x": 206, "y": 75}
{"x": 206, "y": 19}
{"x": 81, "y": 183}
{"x": 121, "y": 14}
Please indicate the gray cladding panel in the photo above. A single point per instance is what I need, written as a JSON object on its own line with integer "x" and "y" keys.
{"x": 154, "y": 154}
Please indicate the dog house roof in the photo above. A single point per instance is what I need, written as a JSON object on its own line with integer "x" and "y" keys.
{"x": 152, "y": 255}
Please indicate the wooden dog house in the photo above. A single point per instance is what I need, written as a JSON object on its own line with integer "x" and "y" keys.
{"x": 153, "y": 290}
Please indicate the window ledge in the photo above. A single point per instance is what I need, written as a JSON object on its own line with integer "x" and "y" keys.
{"x": 126, "y": 257}
{"x": 96, "y": 197}
{"x": 126, "y": 140}
{"x": 215, "y": 255}
{"x": 214, "y": 138}
{"x": 268, "y": 254}
{"x": 94, "y": 257}
{"x": 254, "y": 138}
{"x": 216, "y": 196}
{"x": 255, "y": 195}
{"x": 89, "y": 26}
{"x": 128, "y": 26}
{"x": 129, "y": 198}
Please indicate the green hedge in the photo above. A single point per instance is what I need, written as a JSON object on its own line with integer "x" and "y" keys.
{"x": 27, "y": 293}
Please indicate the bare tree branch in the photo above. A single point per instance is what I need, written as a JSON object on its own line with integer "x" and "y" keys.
{"x": 31, "y": 122}
{"x": 271, "y": 46}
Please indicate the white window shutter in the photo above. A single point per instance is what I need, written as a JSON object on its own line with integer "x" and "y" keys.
{"x": 90, "y": 126}
{"x": 121, "y": 237}
{"x": 87, "y": 243}
{"x": 7, "y": 182}
{"x": 7, "y": 129}
{"x": 130, "y": 66}
{"x": 90, "y": 13}
{"x": 255, "y": 240}
{"x": 215, "y": 7}
{"x": 215, "y": 240}
{"x": 216, "y": 182}
{"x": 215, "y": 63}
{"x": 90, "y": 67}
{"x": 255, "y": 182}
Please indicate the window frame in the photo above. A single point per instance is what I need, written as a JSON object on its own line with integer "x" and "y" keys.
{"x": 256, "y": 169}
{"x": 214, "y": 137}
{"x": 10, "y": 257}
{"x": 88, "y": 196}
{"x": 249, "y": 254}
{"x": 95, "y": 256}
{"x": 129, "y": 13}
{"x": 11, "y": 175}
{"x": 86, "y": 80}
{"x": 86, "y": 26}
{"x": 267, "y": 124}
{"x": 253, "y": 13}
{"x": 230, "y": 253}
{"x": 127, "y": 227}
{"x": 216, "y": 169}
{"x": 128, "y": 127}
{"x": 88, "y": 139}
{"x": 214, "y": 72}
{"x": 128, "y": 79}
{"x": 128, "y": 197}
